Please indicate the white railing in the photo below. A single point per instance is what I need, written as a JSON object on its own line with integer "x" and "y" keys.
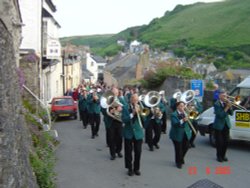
{"x": 41, "y": 102}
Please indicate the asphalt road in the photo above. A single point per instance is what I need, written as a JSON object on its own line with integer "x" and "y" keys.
{"x": 83, "y": 162}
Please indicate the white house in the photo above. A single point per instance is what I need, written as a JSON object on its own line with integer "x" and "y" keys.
{"x": 31, "y": 12}
{"x": 95, "y": 65}
{"x": 52, "y": 77}
{"x": 40, "y": 36}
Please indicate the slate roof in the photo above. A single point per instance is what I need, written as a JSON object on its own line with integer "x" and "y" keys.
{"x": 98, "y": 59}
{"x": 124, "y": 68}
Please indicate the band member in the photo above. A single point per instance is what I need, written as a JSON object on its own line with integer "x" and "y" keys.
{"x": 115, "y": 132}
{"x": 164, "y": 104}
{"x": 107, "y": 122}
{"x": 133, "y": 135}
{"x": 153, "y": 128}
{"x": 180, "y": 133}
{"x": 94, "y": 113}
{"x": 222, "y": 108}
{"x": 83, "y": 108}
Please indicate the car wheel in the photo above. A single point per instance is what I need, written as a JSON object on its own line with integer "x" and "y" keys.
{"x": 212, "y": 138}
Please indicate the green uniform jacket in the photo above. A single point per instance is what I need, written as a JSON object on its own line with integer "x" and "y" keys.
{"x": 94, "y": 106}
{"x": 83, "y": 103}
{"x": 132, "y": 127}
{"x": 221, "y": 117}
{"x": 178, "y": 130}
{"x": 106, "y": 118}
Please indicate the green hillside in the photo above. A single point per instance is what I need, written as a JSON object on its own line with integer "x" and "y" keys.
{"x": 197, "y": 30}
{"x": 220, "y": 24}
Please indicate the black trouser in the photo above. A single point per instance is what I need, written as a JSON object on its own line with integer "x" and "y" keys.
{"x": 180, "y": 150}
{"x": 130, "y": 145}
{"x": 164, "y": 122}
{"x": 115, "y": 137}
{"x": 153, "y": 127}
{"x": 194, "y": 123}
{"x": 84, "y": 117}
{"x": 95, "y": 123}
{"x": 221, "y": 141}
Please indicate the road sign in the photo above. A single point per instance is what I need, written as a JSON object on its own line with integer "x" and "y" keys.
{"x": 197, "y": 86}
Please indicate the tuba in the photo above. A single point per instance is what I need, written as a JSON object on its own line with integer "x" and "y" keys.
{"x": 108, "y": 99}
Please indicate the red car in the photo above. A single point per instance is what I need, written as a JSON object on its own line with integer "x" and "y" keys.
{"x": 63, "y": 107}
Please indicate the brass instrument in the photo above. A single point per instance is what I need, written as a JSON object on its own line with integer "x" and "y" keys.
{"x": 187, "y": 97}
{"x": 143, "y": 110}
{"x": 108, "y": 100}
{"x": 177, "y": 96}
{"x": 235, "y": 102}
{"x": 152, "y": 99}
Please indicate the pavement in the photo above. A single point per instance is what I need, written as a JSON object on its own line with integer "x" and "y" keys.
{"x": 83, "y": 162}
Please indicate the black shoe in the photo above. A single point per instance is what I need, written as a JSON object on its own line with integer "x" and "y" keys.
{"x": 157, "y": 146}
{"x": 192, "y": 145}
{"x": 130, "y": 173}
{"x": 92, "y": 136}
{"x": 119, "y": 155}
{"x": 112, "y": 158}
{"x": 151, "y": 149}
{"x": 182, "y": 162}
{"x": 219, "y": 159}
{"x": 179, "y": 166}
{"x": 96, "y": 134}
{"x": 225, "y": 159}
{"x": 137, "y": 172}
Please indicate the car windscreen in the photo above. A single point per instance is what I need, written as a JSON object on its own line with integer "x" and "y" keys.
{"x": 63, "y": 102}
{"x": 244, "y": 94}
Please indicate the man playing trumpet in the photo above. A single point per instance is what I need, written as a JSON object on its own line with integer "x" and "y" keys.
{"x": 222, "y": 110}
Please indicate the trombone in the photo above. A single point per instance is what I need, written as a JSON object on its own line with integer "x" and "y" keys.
{"x": 235, "y": 102}
{"x": 143, "y": 110}
{"x": 187, "y": 97}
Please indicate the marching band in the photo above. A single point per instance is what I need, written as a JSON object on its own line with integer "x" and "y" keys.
{"x": 128, "y": 115}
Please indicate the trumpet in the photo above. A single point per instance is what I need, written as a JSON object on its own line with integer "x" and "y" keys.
{"x": 235, "y": 102}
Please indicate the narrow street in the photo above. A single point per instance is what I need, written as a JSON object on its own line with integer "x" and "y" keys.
{"x": 84, "y": 163}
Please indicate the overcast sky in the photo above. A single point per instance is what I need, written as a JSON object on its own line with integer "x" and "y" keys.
{"x": 87, "y": 17}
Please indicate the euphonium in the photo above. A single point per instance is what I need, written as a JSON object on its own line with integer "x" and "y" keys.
{"x": 108, "y": 100}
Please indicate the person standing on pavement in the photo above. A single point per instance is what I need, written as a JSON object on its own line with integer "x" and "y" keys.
{"x": 180, "y": 133}
{"x": 221, "y": 125}
{"x": 94, "y": 113}
{"x": 133, "y": 135}
{"x": 83, "y": 108}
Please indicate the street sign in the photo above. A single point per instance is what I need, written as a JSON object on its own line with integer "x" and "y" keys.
{"x": 197, "y": 86}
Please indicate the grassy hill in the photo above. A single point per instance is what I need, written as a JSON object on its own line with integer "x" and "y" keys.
{"x": 220, "y": 24}
{"x": 219, "y": 28}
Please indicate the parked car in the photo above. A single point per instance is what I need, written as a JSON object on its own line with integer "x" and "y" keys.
{"x": 240, "y": 119}
{"x": 63, "y": 107}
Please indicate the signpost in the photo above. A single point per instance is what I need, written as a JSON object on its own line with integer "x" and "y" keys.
{"x": 197, "y": 86}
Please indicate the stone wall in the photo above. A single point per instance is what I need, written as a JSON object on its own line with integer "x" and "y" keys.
{"x": 15, "y": 170}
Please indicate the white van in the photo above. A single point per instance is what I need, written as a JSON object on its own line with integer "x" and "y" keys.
{"x": 240, "y": 119}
